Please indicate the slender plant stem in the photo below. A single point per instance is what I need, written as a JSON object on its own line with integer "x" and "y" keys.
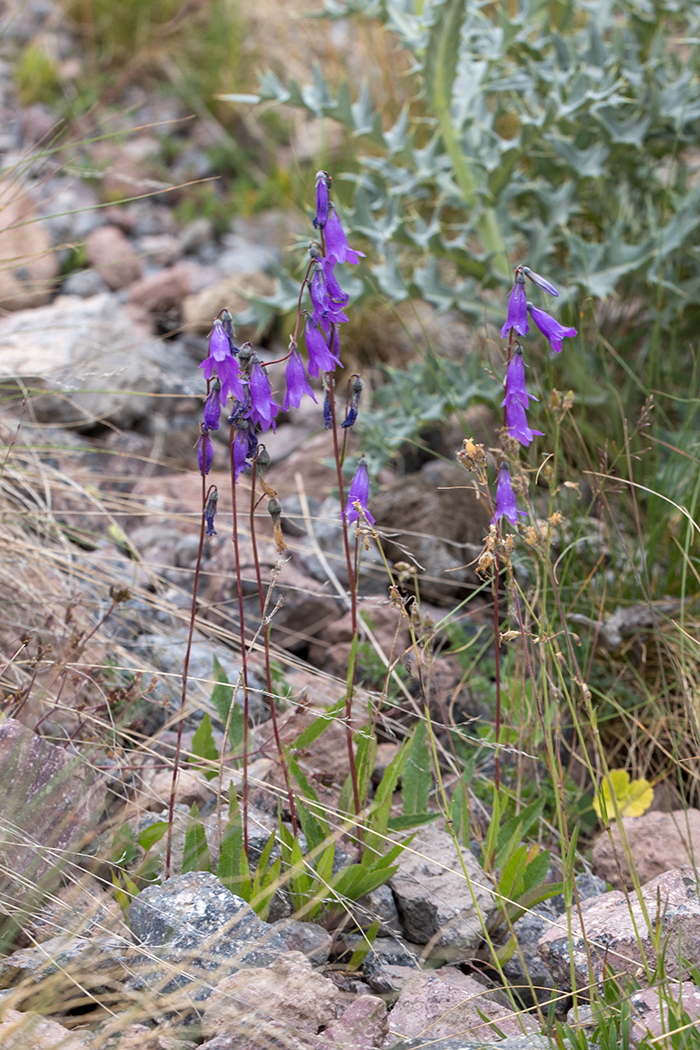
{"x": 244, "y": 654}
{"x": 185, "y": 671}
{"x": 268, "y": 669}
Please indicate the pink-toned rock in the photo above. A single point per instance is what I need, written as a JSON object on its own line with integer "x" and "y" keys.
{"x": 28, "y": 265}
{"x": 113, "y": 256}
{"x": 50, "y": 805}
{"x": 163, "y": 249}
{"x": 619, "y": 937}
{"x": 363, "y": 1025}
{"x": 30, "y": 1031}
{"x": 163, "y": 292}
{"x": 446, "y": 1004}
{"x": 658, "y": 842}
{"x": 650, "y": 1010}
{"x": 189, "y": 789}
{"x": 287, "y": 991}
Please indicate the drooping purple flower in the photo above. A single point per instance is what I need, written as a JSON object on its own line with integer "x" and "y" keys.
{"x": 515, "y": 381}
{"x": 355, "y": 392}
{"x": 323, "y": 182}
{"x": 212, "y": 409}
{"x": 263, "y": 407}
{"x": 335, "y": 292}
{"x": 205, "y": 453}
{"x": 327, "y": 412}
{"x": 239, "y": 451}
{"x": 232, "y": 385}
{"x": 541, "y": 282}
{"x": 321, "y": 357}
{"x": 516, "y": 421}
{"x": 359, "y": 493}
{"x": 337, "y": 247}
{"x": 210, "y": 510}
{"x": 550, "y": 328}
{"x": 297, "y": 383}
{"x": 326, "y": 311}
{"x": 505, "y": 498}
{"x": 517, "y": 308}
{"x": 219, "y": 346}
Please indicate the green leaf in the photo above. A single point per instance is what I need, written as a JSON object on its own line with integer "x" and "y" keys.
{"x": 459, "y": 813}
{"x": 204, "y": 747}
{"x": 222, "y": 700}
{"x": 442, "y": 52}
{"x": 411, "y": 820}
{"x": 363, "y": 949}
{"x": 375, "y": 835}
{"x": 319, "y": 725}
{"x": 536, "y": 871}
{"x": 511, "y": 882}
{"x": 417, "y": 775}
{"x": 123, "y": 849}
{"x": 195, "y": 856}
{"x": 232, "y": 868}
{"x": 150, "y": 835}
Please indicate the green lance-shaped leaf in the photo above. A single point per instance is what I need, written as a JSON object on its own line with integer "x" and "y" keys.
{"x": 417, "y": 776}
{"x": 204, "y": 748}
{"x": 195, "y": 856}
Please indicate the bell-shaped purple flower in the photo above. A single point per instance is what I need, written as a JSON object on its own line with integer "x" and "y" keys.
{"x": 297, "y": 383}
{"x": 337, "y": 247}
{"x": 505, "y": 498}
{"x": 327, "y": 412}
{"x": 210, "y": 510}
{"x": 517, "y": 308}
{"x": 359, "y": 493}
{"x": 263, "y": 407}
{"x": 550, "y": 328}
{"x": 321, "y": 357}
{"x": 205, "y": 453}
{"x": 323, "y": 183}
{"x": 335, "y": 292}
{"x": 219, "y": 346}
{"x": 516, "y": 421}
{"x": 239, "y": 451}
{"x": 212, "y": 409}
{"x": 326, "y": 311}
{"x": 356, "y": 389}
{"x": 515, "y": 381}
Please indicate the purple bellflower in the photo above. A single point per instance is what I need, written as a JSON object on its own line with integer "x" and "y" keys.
{"x": 355, "y": 392}
{"x": 359, "y": 493}
{"x": 321, "y": 357}
{"x": 297, "y": 383}
{"x": 240, "y": 452}
{"x": 326, "y": 310}
{"x": 505, "y": 498}
{"x": 212, "y": 409}
{"x": 516, "y": 421}
{"x": 550, "y": 328}
{"x": 263, "y": 407}
{"x": 337, "y": 247}
{"x": 541, "y": 282}
{"x": 205, "y": 453}
{"x": 515, "y": 381}
{"x": 517, "y": 308}
{"x": 327, "y": 412}
{"x": 323, "y": 183}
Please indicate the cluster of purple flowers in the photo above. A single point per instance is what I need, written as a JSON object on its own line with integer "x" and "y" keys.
{"x": 517, "y": 399}
{"x": 239, "y": 375}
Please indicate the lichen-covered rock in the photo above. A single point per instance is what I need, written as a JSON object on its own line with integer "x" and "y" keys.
{"x": 362, "y": 1026}
{"x": 436, "y": 903}
{"x": 620, "y": 938}
{"x": 30, "y": 1031}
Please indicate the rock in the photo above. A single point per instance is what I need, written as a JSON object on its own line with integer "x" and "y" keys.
{"x": 257, "y": 1001}
{"x": 362, "y": 1026}
{"x": 389, "y": 964}
{"x": 163, "y": 293}
{"x": 163, "y": 249}
{"x": 651, "y": 1014}
{"x": 328, "y": 533}
{"x": 113, "y": 256}
{"x": 306, "y": 937}
{"x": 622, "y": 941}
{"x": 435, "y": 515}
{"x": 141, "y": 1037}
{"x": 434, "y": 901}
{"x": 199, "y": 310}
{"x": 88, "y": 351}
{"x": 201, "y": 932}
{"x": 529, "y": 974}
{"x": 69, "y": 209}
{"x": 189, "y": 789}
{"x": 587, "y": 885}
{"x": 30, "y": 1031}
{"x": 332, "y": 651}
{"x": 513, "y": 1042}
{"x": 83, "y": 283}
{"x": 658, "y": 842}
{"x": 29, "y": 265}
{"x": 444, "y": 1004}
{"x": 89, "y": 961}
{"x": 51, "y": 803}
{"x": 79, "y": 909}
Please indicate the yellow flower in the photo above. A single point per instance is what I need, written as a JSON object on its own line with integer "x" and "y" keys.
{"x": 633, "y": 797}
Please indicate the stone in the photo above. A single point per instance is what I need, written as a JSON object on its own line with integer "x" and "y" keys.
{"x": 512, "y": 1042}
{"x": 79, "y": 909}
{"x": 83, "y": 284}
{"x": 446, "y": 1004}
{"x": 30, "y": 266}
{"x": 31, "y": 1031}
{"x": 308, "y": 938}
{"x": 389, "y": 963}
{"x": 196, "y": 933}
{"x": 658, "y": 842}
{"x": 525, "y": 971}
{"x": 362, "y": 1026}
{"x": 162, "y": 293}
{"x": 287, "y": 992}
{"x": 651, "y": 1013}
{"x": 621, "y": 941}
{"x": 189, "y": 788}
{"x": 199, "y": 311}
{"x": 51, "y": 804}
{"x": 113, "y": 256}
{"x": 88, "y": 355}
{"x": 433, "y": 898}
{"x": 90, "y": 961}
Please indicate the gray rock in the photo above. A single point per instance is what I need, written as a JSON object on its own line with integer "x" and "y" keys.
{"x": 110, "y": 957}
{"x": 512, "y": 1042}
{"x": 525, "y": 969}
{"x": 389, "y": 963}
{"x": 83, "y": 283}
{"x": 379, "y": 904}
{"x": 306, "y": 937}
{"x": 588, "y": 886}
{"x": 436, "y": 904}
{"x": 201, "y": 932}
{"x": 617, "y": 934}
{"x": 88, "y": 355}
{"x": 329, "y": 536}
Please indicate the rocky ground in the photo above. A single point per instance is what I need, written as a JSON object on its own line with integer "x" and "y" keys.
{"x": 106, "y": 308}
